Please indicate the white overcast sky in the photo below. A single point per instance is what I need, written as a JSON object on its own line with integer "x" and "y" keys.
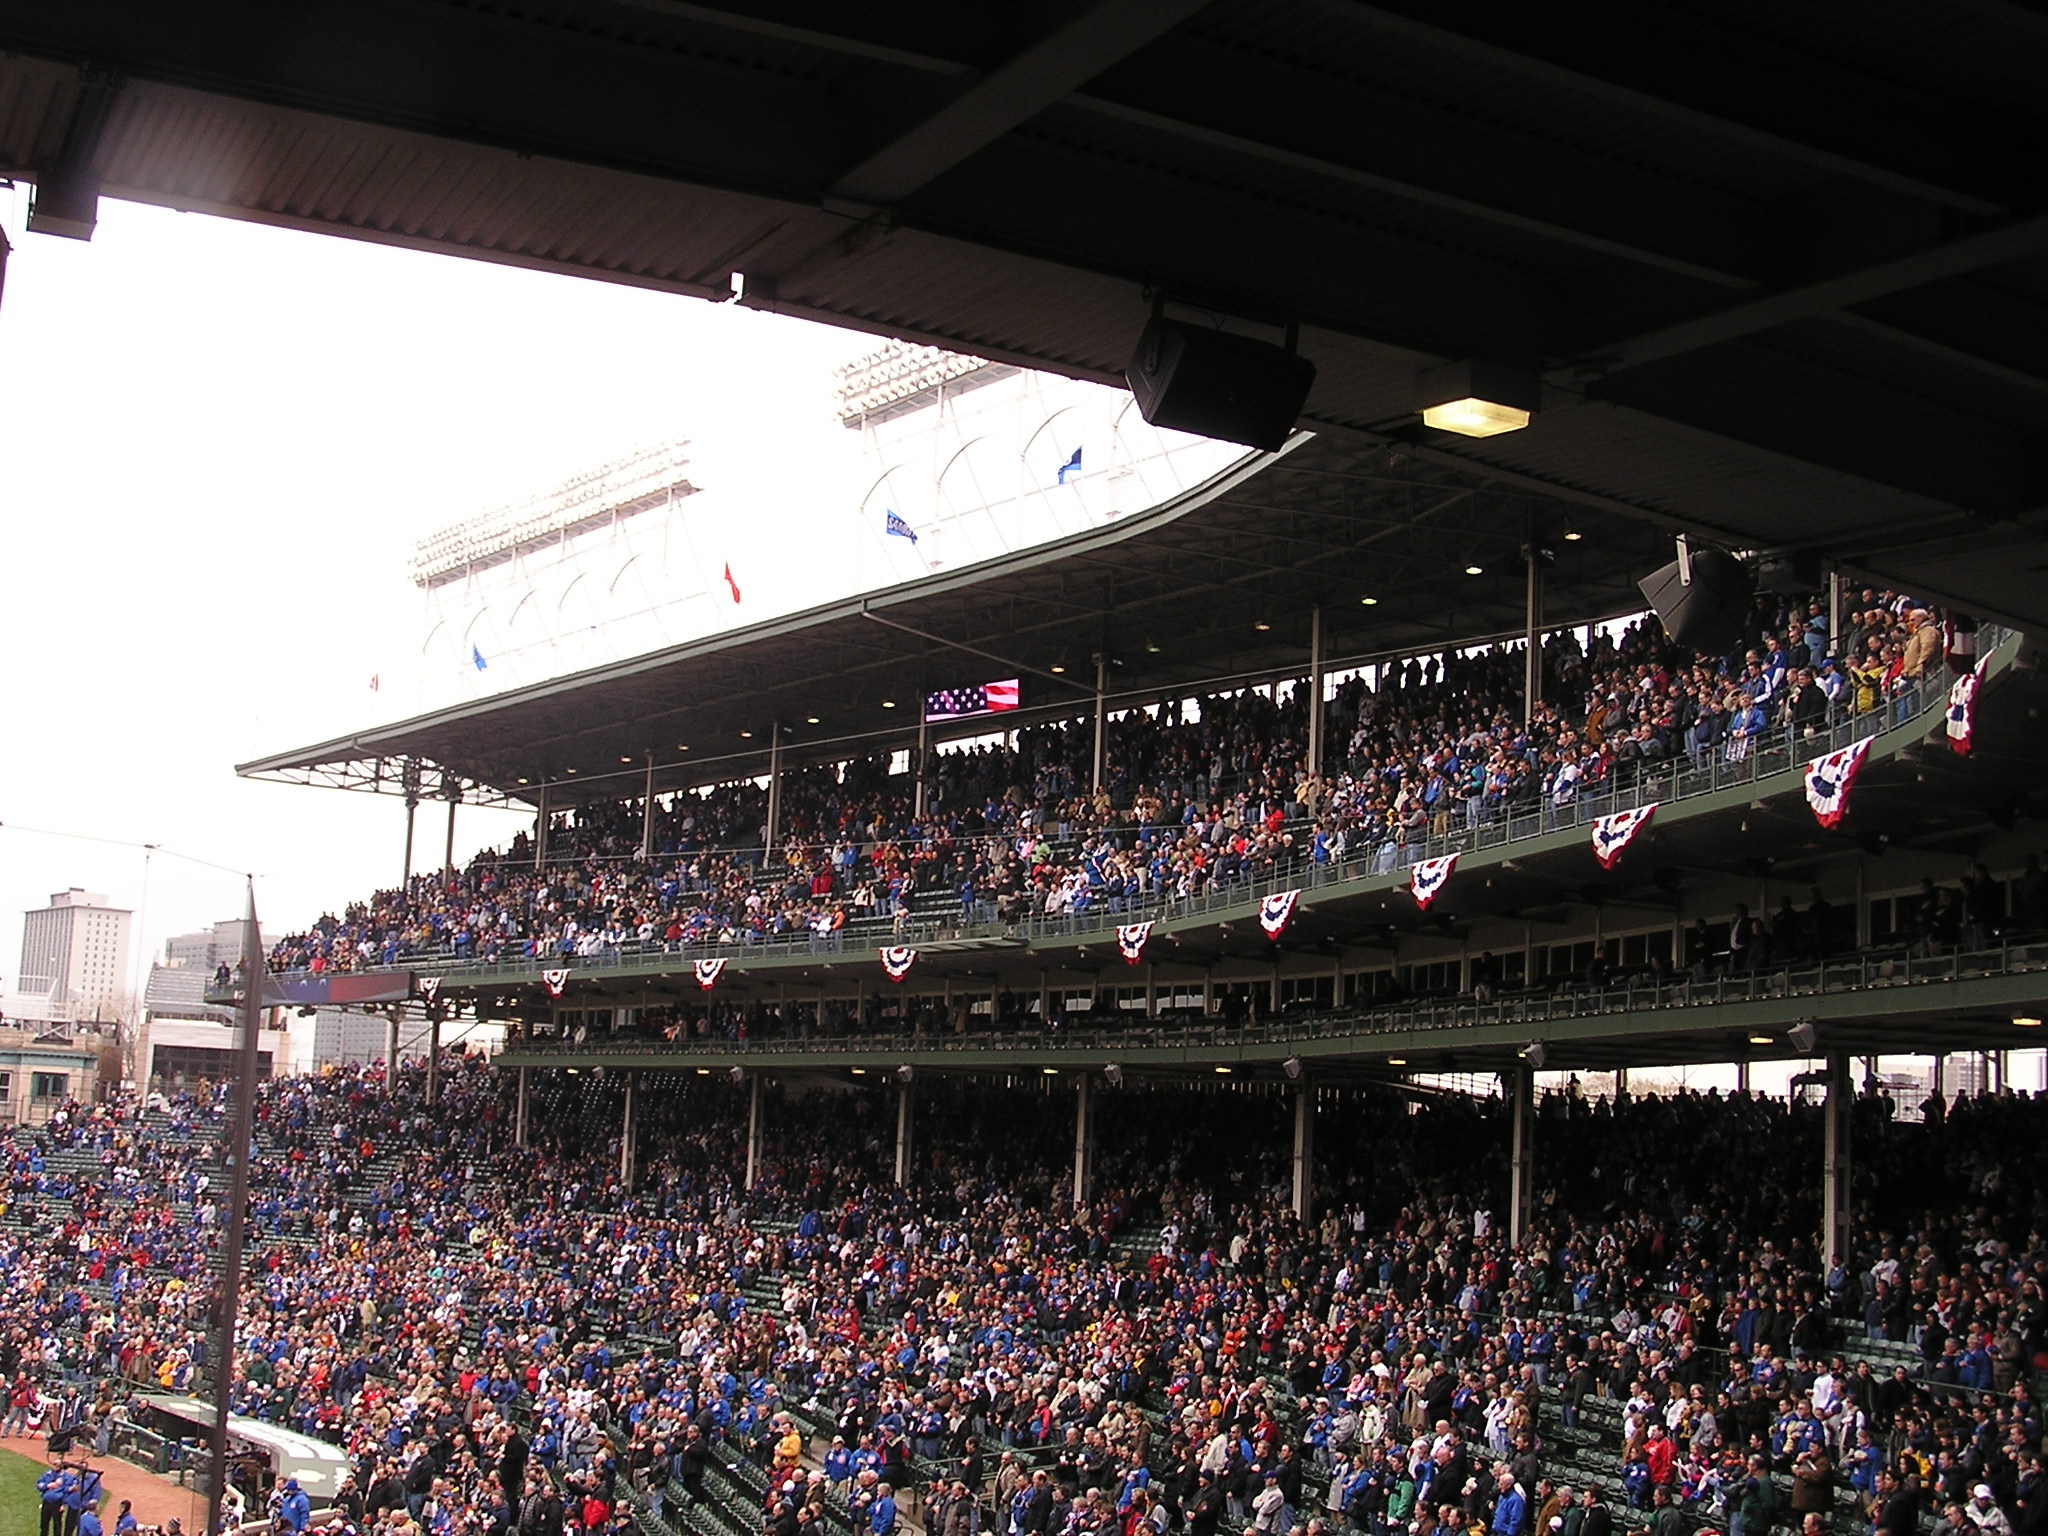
{"x": 219, "y": 441}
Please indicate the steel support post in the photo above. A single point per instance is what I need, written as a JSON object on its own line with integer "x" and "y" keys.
{"x": 1315, "y": 691}
{"x": 906, "y": 1099}
{"x": 1521, "y": 1085}
{"x": 1304, "y": 1152}
{"x": 629, "y": 1130}
{"x": 1084, "y": 1142}
{"x": 754, "y": 1130}
{"x": 1101, "y": 722}
{"x": 1835, "y": 1153}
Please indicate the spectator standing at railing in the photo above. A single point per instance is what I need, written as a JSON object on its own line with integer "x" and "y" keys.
{"x": 1922, "y": 655}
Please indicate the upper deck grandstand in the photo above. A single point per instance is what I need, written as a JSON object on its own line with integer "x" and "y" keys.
{"x": 1309, "y": 674}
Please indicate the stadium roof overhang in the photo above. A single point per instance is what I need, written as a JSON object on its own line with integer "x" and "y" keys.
{"x": 1212, "y": 590}
{"x": 1782, "y": 269}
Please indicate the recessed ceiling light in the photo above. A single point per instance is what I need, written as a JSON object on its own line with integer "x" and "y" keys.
{"x": 522, "y": 781}
{"x": 1572, "y": 536}
{"x": 703, "y": 1071}
{"x": 1262, "y": 626}
{"x": 625, "y": 759}
{"x": 1474, "y": 570}
{"x": 1050, "y": 1071}
{"x": 1761, "y": 1040}
{"x": 1223, "y": 1071}
{"x": 1059, "y": 666}
{"x": 2027, "y": 1023}
{"x": 860, "y": 1071}
{"x": 572, "y": 770}
{"x": 888, "y": 703}
{"x": 810, "y": 719}
{"x": 1369, "y": 602}
{"x": 682, "y": 746}
{"x": 1397, "y": 1061}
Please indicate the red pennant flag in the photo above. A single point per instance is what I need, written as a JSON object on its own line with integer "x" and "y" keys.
{"x": 733, "y": 585}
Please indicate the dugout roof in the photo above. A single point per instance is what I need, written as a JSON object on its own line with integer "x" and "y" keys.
{"x": 1783, "y": 269}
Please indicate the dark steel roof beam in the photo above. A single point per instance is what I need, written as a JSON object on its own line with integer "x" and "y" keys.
{"x": 1746, "y": 90}
{"x": 1210, "y": 245}
{"x": 1057, "y": 679}
{"x": 1796, "y": 409}
{"x": 1940, "y": 351}
{"x": 1010, "y": 95}
{"x": 1231, "y": 99}
{"x": 1951, "y": 259}
{"x": 812, "y": 37}
{"x": 2001, "y": 332}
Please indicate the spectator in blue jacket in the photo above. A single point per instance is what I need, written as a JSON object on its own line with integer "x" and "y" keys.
{"x": 882, "y": 1513}
{"x": 55, "y": 1486}
{"x": 839, "y": 1468}
{"x": 295, "y": 1510}
{"x": 1511, "y": 1509}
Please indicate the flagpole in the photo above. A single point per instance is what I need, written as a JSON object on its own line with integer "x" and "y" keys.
{"x": 239, "y": 1133}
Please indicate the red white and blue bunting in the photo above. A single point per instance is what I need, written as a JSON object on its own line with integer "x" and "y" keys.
{"x": 1613, "y": 834}
{"x": 707, "y": 972}
{"x": 897, "y": 959}
{"x": 430, "y": 987}
{"x": 1275, "y": 911}
{"x": 1130, "y": 941}
{"x": 1828, "y": 780}
{"x": 554, "y": 981}
{"x": 1427, "y": 878}
{"x": 1962, "y": 712}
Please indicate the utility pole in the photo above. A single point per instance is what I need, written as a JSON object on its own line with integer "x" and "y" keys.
{"x": 239, "y": 1132}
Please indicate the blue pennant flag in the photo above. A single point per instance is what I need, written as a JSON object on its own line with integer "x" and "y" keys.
{"x": 898, "y": 527}
{"x": 476, "y": 655}
{"x": 1071, "y": 467}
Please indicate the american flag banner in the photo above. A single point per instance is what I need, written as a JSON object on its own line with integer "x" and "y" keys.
{"x": 897, "y": 960}
{"x": 1828, "y": 780}
{"x": 707, "y": 972}
{"x": 1428, "y": 877}
{"x": 983, "y": 699}
{"x": 1275, "y": 911}
{"x": 1613, "y": 834}
{"x": 554, "y": 981}
{"x": 1962, "y": 712}
{"x": 430, "y": 987}
{"x": 1130, "y": 941}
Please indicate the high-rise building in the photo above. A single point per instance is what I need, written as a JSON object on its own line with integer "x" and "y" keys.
{"x": 177, "y": 984}
{"x": 74, "y": 952}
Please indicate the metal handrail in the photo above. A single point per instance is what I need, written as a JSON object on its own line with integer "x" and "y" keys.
{"x": 1780, "y": 751}
{"x": 1871, "y": 970}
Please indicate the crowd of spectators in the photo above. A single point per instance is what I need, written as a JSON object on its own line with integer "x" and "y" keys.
{"x": 510, "y": 1339}
{"x": 1193, "y": 800}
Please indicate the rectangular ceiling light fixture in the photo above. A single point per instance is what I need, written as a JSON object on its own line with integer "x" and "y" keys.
{"x": 1475, "y": 398}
